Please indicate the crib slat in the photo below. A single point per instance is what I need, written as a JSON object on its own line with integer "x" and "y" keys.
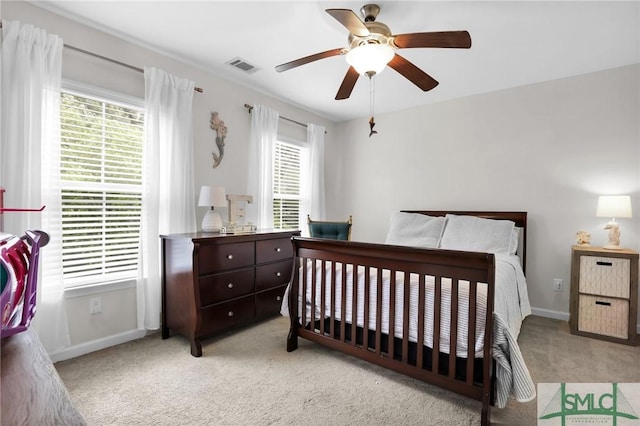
{"x": 323, "y": 294}
{"x": 405, "y": 317}
{"x": 453, "y": 335}
{"x": 437, "y": 304}
{"x": 304, "y": 262}
{"x": 332, "y": 325}
{"x": 471, "y": 333}
{"x": 343, "y": 303}
{"x": 354, "y": 304}
{"x": 392, "y": 313}
{"x": 379, "y": 313}
{"x": 421, "y": 308}
{"x": 313, "y": 293}
{"x": 365, "y": 325}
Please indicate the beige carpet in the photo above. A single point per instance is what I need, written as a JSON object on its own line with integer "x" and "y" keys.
{"x": 247, "y": 378}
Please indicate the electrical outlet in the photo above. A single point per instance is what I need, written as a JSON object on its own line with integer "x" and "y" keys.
{"x": 557, "y": 284}
{"x": 95, "y": 305}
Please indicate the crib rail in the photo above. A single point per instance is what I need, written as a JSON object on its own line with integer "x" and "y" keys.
{"x": 459, "y": 275}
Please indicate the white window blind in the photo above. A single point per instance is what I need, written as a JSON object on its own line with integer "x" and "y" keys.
{"x": 287, "y": 188}
{"x": 101, "y": 171}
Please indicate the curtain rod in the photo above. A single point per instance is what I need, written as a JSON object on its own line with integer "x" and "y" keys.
{"x": 249, "y": 108}
{"x": 113, "y": 61}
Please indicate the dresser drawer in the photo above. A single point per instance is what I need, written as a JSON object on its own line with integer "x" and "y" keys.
{"x": 606, "y": 276}
{"x": 273, "y": 275}
{"x": 226, "y": 315}
{"x": 220, "y": 257}
{"x": 272, "y": 250}
{"x": 269, "y": 302}
{"x": 603, "y": 315}
{"x": 221, "y": 287}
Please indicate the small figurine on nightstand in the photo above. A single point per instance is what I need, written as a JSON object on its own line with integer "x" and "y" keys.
{"x": 614, "y": 236}
{"x": 583, "y": 238}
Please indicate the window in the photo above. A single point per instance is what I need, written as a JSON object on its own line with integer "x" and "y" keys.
{"x": 101, "y": 175}
{"x": 288, "y": 185}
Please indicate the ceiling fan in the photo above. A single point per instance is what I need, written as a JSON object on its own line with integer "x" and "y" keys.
{"x": 372, "y": 46}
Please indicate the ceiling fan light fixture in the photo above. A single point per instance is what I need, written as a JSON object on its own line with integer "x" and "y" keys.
{"x": 371, "y": 58}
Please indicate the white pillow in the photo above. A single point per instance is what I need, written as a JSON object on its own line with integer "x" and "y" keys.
{"x": 470, "y": 233}
{"x": 415, "y": 230}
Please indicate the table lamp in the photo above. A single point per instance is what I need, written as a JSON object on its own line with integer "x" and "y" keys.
{"x": 613, "y": 206}
{"x": 212, "y": 196}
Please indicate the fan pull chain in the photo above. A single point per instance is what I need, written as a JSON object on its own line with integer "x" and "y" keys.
{"x": 372, "y": 92}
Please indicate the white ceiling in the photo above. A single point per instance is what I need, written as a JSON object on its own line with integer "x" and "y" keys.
{"x": 513, "y": 43}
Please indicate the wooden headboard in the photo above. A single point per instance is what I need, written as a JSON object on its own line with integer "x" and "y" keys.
{"x": 519, "y": 218}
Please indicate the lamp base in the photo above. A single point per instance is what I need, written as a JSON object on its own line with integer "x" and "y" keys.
{"x": 211, "y": 222}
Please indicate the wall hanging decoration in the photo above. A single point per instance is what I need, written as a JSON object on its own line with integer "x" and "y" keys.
{"x": 221, "y": 133}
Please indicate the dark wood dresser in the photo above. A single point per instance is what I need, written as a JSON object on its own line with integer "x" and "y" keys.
{"x": 213, "y": 282}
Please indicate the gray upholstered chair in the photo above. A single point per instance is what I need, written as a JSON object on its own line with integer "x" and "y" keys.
{"x": 330, "y": 230}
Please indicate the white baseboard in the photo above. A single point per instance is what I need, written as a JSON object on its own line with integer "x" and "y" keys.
{"x": 547, "y": 313}
{"x": 562, "y": 316}
{"x": 96, "y": 345}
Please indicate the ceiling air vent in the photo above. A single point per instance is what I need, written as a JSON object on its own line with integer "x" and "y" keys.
{"x": 243, "y": 65}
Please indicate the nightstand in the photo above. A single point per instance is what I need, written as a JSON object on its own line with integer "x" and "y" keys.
{"x": 604, "y": 293}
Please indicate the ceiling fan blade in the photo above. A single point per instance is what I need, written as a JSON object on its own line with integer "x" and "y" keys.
{"x": 310, "y": 58}
{"x": 414, "y": 74}
{"x": 350, "y": 20}
{"x": 347, "y": 84}
{"x": 450, "y": 39}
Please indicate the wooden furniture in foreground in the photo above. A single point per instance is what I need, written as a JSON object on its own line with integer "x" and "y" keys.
{"x": 32, "y": 392}
{"x": 604, "y": 293}
{"x": 213, "y": 282}
{"x": 469, "y": 376}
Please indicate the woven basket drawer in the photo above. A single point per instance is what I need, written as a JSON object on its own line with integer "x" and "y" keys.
{"x": 606, "y": 276}
{"x": 602, "y": 315}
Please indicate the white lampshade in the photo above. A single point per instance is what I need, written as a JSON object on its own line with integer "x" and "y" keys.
{"x": 212, "y": 196}
{"x": 614, "y": 206}
{"x": 370, "y": 58}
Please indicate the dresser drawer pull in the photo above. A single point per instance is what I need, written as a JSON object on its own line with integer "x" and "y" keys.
{"x": 604, "y": 263}
{"x": 603, "y": 303}
{"x": 230, "y": 285}
{"x": 229, "y": 256}
{"x": 278, "y": 249}
{"x": 278, "y": 274}
{"x": 279, "y": 298}
{"x": 230, "y": 313}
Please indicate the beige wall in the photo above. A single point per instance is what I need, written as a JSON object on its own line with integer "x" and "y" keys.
{"x": 549, "y": 149}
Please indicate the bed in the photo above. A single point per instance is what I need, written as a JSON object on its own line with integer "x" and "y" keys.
{"x": 442, "y": 301}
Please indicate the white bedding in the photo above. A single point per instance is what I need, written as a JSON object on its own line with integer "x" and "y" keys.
{"x": 511, "y": 306}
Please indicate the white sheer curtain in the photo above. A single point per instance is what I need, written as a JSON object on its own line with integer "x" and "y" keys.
{"x": 30, "y": 160}
{"x": 315, "y": 139}
{"x": 264, "y": 133}
{"x": 168, "y": 204}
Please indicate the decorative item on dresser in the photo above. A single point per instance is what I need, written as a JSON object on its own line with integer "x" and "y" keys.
{"x": 212, "y": 283}
{"x": 604, "y": 294}
{"x": 212, "y": 196}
